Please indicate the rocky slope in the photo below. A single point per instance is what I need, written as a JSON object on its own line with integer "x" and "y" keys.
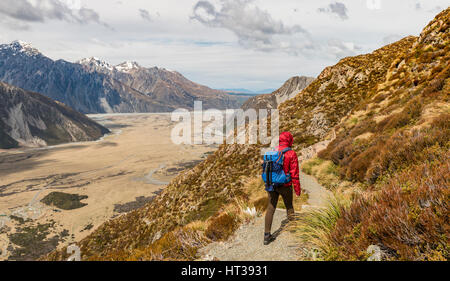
{"x": 289, "y": 90}
{"x": 90, "y": 88}
{"x": 30, "y": 119}
{"x": 390, "y": 111}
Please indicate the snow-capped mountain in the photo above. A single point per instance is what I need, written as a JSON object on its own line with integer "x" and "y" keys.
{"x": 128, "y": 66}
{"x": 162, "y": 85}
{"x": 19, "y": 47}
{"x": 95, "y": 86}
{"x": 96, "y": 63}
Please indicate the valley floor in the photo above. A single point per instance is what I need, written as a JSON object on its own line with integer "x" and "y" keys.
{"x": 118, "y": 173}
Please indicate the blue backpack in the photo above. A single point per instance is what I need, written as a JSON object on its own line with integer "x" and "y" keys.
{"x": 273, "y": 174}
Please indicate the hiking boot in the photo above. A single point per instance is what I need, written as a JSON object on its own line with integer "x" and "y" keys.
{"x": 268, "y": 238}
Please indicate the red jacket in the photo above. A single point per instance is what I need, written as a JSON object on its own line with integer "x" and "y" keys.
{"x": 290, "y": 164}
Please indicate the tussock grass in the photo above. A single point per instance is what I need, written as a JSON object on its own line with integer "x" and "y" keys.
{"x": 222, "y": 227}
{"x": 313, "y": 227}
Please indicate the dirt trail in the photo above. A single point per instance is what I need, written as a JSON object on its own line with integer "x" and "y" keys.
{"x": 247, "y": 243}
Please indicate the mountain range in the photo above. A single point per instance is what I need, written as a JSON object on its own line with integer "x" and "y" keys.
{"x": 31, "y": 119}
{"x": 94, "y": 86}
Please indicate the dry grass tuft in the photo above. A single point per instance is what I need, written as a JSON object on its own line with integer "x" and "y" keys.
{"x": 222, "y": 227}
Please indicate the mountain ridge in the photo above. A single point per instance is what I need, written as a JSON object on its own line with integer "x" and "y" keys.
{"x": 161, "y": 85}
{"x": 288, "y": 90}
{"x": 31, "y": 119}
{"x": 92, "y": 89}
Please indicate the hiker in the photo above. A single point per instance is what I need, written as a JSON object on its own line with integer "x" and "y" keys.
{"x": 291, "y": 170}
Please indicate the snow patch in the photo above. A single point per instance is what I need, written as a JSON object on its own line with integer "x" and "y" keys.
{"x": 127, "y": 66}
{"x": 96, "y": 63}
{"x": 20, "y": 47}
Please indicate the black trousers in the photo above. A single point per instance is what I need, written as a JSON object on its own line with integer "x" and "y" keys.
{"x": 287, "y": 195}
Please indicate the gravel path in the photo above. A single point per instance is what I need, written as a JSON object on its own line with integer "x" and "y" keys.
{"x": 318, "y": 195}
{"x": 247, "y": 243}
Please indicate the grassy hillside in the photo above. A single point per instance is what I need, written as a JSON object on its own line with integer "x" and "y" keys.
{"x": 190, "y": 199}
{"x": 336, "y": 92}
{"x": 396, "y": 142}
{"x": 390, "y": 111}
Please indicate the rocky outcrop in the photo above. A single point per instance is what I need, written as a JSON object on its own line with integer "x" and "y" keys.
{"x": 289, "y": 90}
{"x": 31, "y": 119}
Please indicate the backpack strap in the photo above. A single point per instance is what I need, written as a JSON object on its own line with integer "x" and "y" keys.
{"x": 282, "y": 153}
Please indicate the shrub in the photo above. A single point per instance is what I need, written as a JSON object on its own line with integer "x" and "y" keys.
{"x": 177, "y": 245}
{"x": 356, "y": 170}
{"x": 221, "y": 227}
{"x": 64, "y": 201}
{"x": 408, "y": 219}
{"x": 367, "y": 161}
{"x": 261, "y": 204}
{"x": 406, "y": 148}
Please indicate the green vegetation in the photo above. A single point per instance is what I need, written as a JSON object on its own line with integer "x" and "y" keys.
{"x": 326, "y": 173}
{"x": 32, "y": 242}
{"x": 64, "y": 201}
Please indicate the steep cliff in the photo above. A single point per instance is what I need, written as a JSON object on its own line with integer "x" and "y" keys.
{"x": 289, "y": 90}
{"x": 30, "y": 119}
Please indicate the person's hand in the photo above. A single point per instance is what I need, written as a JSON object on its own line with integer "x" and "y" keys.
{"x": 298, "y": 190}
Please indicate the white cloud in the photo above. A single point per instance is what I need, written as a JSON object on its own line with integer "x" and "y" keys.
{"x": 240, "y": 44}
{"x": 338, "y": 9}
{"x": 145, "y": 14}
{"x": 255, "y": 28}
{"x": 342, "y": 49}
{"x": 42, "y": 10}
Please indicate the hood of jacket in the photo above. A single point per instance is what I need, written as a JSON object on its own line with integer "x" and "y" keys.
{"x": 286, "y": 139}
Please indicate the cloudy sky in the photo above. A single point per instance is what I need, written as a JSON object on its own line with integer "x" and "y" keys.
{"x": 253, "y": 44}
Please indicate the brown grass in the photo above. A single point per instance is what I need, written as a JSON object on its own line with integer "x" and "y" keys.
{"x": 408, "y": 219}
{"x": 222, "y": 227}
